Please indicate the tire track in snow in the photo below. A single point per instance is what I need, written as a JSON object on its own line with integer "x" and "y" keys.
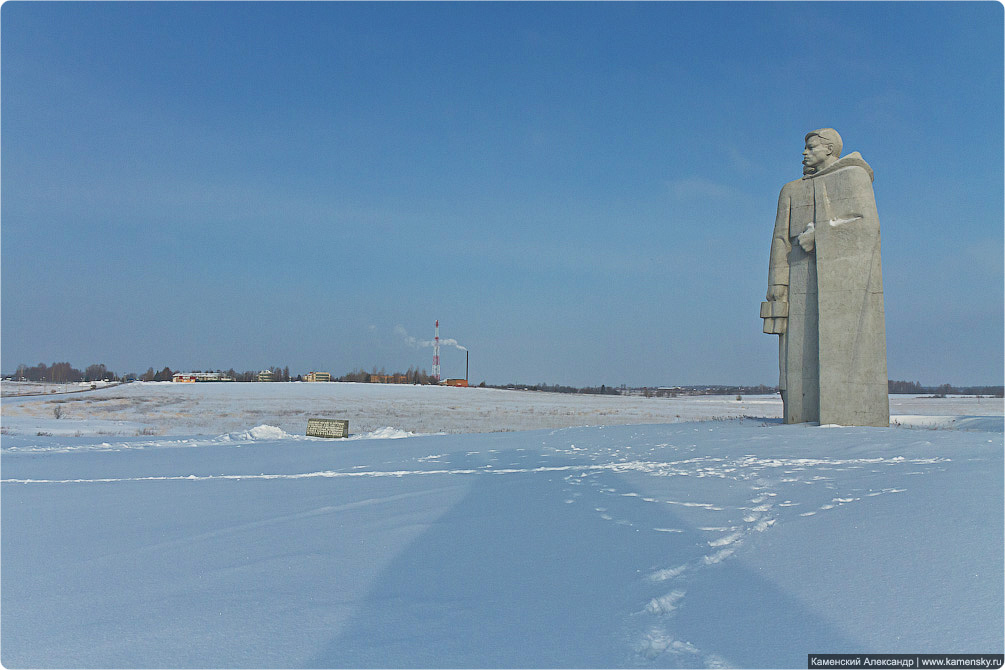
{"x": 319, "y": 511}
{"x": 656, "y": 468}
{"x": 331, "y": 474}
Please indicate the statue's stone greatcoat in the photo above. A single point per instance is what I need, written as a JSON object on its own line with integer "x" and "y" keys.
{"x": 832, "y": 351}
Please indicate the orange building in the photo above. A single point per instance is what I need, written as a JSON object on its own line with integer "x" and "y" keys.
{"x": 388, "y": 379}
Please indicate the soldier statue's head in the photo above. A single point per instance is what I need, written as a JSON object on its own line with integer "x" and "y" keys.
{"x": 823, "y": 148}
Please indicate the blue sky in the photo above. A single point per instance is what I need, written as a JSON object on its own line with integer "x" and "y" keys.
{"x": 581, "y": 193}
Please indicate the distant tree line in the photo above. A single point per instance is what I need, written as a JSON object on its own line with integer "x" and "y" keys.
{"x": 675, "y": 391}
{"x": 894, "y": 386}
{"x": 64, "y": 373}
{"x": 945, "y": 389}
{"x": 603, "y": 389}
{"x": 661, "y": 392}
{"x": 151, "y": 376}
{"x": 761, "y": 389}
{"x": 412, "y": 376}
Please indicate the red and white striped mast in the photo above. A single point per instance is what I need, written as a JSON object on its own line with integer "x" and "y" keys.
{"x": 436, "y": 353}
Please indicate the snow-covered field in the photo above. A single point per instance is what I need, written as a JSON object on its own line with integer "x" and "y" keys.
{"x": 161, "y": 525}
{"x": 166, "y": 408}
{"x": 12, "y": 388}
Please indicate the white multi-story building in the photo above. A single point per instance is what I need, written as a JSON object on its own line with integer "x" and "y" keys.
{"x": 190, "y": 377}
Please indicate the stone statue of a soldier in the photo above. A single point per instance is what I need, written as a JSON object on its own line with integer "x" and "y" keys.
{"x": 825, "y": 291}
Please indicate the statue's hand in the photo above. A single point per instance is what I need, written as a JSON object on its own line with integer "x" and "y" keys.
{"x": 778, "y": 292}
{"x": 807, "y": 238}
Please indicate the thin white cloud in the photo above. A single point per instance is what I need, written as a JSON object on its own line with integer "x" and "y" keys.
{"x": 699, "y": 187}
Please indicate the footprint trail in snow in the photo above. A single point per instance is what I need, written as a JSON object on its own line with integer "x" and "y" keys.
{"x": 746, "y": 495}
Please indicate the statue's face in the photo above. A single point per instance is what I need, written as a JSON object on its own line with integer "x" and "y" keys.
{"x": 816, "y": 153}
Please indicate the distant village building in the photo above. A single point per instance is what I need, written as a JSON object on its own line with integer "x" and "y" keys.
{"x": 455, "y": 382}
{"x": 318, "y": 377}
{"x": 192, "y": 377}
{"x": 266, "y": 376}
{"x": 388, "y": 379}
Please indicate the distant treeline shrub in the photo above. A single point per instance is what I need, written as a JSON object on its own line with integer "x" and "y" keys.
{"x": 412, "y": 376}
{"x": 64, "y": 373}
{"x": 945, "y": 389}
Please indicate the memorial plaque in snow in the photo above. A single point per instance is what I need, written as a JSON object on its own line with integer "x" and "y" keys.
{"x": 331, "y": 428}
